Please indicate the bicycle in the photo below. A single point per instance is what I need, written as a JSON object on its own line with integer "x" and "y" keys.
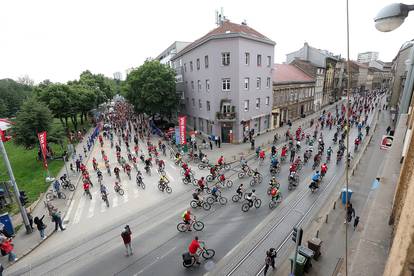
{"x": 274, "y": 202}
{"x": 51, "y": 195}
{"x": 256, "y": 202}
{"x": 140, "y": 183}
{"x": 243, "y": 173}
{"x": 221, "y": 199}
{"x": 256, "y": 180}
{"x": 105, "y": 198}
{"x": 161, "y": 171}
{"x": 238, "y": 197}
{"x": 203, "y": 165}
{"x": 227, "y": 183}
{"x": 66, "y": 184}
{"x": 162, "y": 186}
{"x": 189, "y": 260}
{"x": 118, "y": 189}
{"x": 186, "y": 181}
{"x": 88, "y": 193}
{"x": 200, "y": 203}
{"x": 195, "y": 224}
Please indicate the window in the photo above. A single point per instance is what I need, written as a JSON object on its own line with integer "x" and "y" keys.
{"x": 225, "y": 59}
{"x": 257, "y": 103}
{"x": 258, "y": 83}
{"x": 199, "y": 104}
{"x": 269, "y": 61}
{"x": 207, "y": 85}
{"x": 191, "y": 66}
{"x": 259, "y": 60}
{"x": 206, "y": 62}
{"x": 198, "y": 64}
{"x": 199, "y": 85}
{"x": 267, "y": 100}
{"x": 267, "y": 82}
{"x": 185, "y": 67}
{"x": 246, "y": 83}
{"x": 208, "y": 105}
{"x": 192, "y": 85}
{"x": 246, "y": 105}
{"x": 247, "y": 58}
{"x": 193, "y": 101}
{"x": 225, "y": 85}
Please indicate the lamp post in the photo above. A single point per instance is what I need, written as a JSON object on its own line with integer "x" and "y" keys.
{"x": 387, "y": 20}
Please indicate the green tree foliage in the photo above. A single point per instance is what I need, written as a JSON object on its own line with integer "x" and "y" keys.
{"x": 12, "y": 94}
{"x": 33, "y": 117}
{"x": 151, "y": 89}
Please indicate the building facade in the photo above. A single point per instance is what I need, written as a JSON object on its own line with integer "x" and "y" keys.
{"x": 322, "y": 59}
{"x": 227, "y": 82}
{"x": 367, "y": 57}
{"x": 293, "y": 94}
{"x": 166, "y": 55}
{"x": 317, "y": 73}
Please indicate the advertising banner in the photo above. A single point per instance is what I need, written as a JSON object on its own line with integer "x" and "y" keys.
{"x": 182, "y": 122}
{"x": 43, "y": 143}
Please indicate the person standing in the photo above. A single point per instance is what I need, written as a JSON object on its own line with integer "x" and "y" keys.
{"x": 30, "y": 218}
{"x": 356, "y": 221}
{"x": 271, "y": 255}
{"x": 126, "y": 237}
{"x": 216, "y": 140}
{"x": 211, "y": 145}
{"x": 292, "y": 155}
{"x": 219, "y": 141}
{"x": 57, "y": 219}
{"x": 40, "y": 226}
{"x": 350, "y": 212}
{"x": 7, "y": 247}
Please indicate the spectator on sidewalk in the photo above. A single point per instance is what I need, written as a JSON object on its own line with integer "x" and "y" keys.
{"x": 211, "y": 145}
{"x": 252, "y": 144}
{"x": 388, "y": 129}
{"x": 216, "y": 140}
{"x": 7, "y": 249}
{"x": 57, "y": 219}
{"x": 271, "y": 255}
{"x": 40, "y": 226}
{"x": 78, "y": 162}
{"x": 356, "y": 221}
{"x": 30, "y": 217}
{"x": 126, "y": 237}
{"x": 350, "y": 212}
{"x": 219, "y": 141}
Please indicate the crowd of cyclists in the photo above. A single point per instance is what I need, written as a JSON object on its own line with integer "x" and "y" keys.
{"x": 301, "y": 148}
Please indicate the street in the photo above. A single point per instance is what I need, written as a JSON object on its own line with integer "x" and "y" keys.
{"x": 93, "y": 246}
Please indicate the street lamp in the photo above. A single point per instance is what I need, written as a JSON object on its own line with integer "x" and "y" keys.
{"x": 392, "y": 16}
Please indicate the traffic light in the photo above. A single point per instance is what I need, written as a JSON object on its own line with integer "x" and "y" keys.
{"x": 297, "y": 235}
{"x": 23, "y": 198}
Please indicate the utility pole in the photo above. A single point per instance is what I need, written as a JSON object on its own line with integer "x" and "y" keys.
{"x": 297, "y": 238}
{"x": 15, "y": 188}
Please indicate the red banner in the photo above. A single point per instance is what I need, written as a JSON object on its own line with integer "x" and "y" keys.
{"x": 43, "y": 143}
{"x": 182, "y": 122}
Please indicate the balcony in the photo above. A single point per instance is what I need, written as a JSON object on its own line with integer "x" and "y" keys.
{"x": 226, "y": 116}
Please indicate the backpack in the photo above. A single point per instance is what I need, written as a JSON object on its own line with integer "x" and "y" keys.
{"x": 183, "y": 215}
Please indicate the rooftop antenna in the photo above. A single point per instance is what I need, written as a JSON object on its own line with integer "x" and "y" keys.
{"x": 220, "y": 17}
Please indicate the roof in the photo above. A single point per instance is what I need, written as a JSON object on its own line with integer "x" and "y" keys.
{"x": 227, "y": 28}
{"x": 287, "y": 73}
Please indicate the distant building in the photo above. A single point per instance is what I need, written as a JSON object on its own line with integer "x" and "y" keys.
{"x": 227, "y": 81}
{"x": 166, "y": 55}
{"x": 321, "y": 59}
{"x": 367, "y": 57}
{"x": 293, "y": 94}
{"x": 117, "y": 76}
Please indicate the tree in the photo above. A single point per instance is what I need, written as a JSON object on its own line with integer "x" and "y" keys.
{"x": 25, "y": 80}
{"x": 33, "y": 117}
{"x": 151, "y": 89}
{"x": 12, "y": 94}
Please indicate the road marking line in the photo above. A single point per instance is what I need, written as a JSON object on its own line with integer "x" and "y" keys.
{"x": 156, "y": 260}
{"x": 79, "y": 210}
{"x": 103, "y": 207}
{"x": 115, "y": 201}
{"x": 92, "y": 204}
{"x": 66, "y": 218}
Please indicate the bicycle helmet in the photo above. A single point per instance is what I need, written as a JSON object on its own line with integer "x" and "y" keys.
{"x": 253, "y": 190}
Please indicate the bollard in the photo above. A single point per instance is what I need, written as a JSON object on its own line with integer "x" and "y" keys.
{"x": 334, "y": 207}
{"x": 317, "y": 234}
{"x": 326, "y": 218}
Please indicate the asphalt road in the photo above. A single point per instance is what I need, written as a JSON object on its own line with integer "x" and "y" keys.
{"x": 93, "y": 246}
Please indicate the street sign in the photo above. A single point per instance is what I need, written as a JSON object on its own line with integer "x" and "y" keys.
{"x": 386, "y": 142}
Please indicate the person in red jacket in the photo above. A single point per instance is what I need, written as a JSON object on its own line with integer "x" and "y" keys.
{"x": 324, "y": 169}
{"x": 126, "y": 237}
{"x": 7, "y": 247}
{"x": 193, "y": 248}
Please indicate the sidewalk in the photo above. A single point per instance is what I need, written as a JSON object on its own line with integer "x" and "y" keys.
{"x": 24, "y": 243}
{"x": 232, "y": 152}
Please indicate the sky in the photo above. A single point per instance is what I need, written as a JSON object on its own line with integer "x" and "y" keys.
{"x": 58, "y": 39}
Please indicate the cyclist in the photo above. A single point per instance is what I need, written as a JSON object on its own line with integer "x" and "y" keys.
{"x": 99, "y": 174}
{"x": 298, "y": 161}
{"x": 250, "y": 197}
{"x": 292, "y": 167}
{"x": 201, "y": 183}
{"x": 324, "y": 169}
{"x": 273, "y": 182}
{"x": 315, "y": 179}
{"x": 86, "y": 187}
{"x": 103, "y": 189}
{"x": 116, "y": 172}
{"x": 243, "y": 163}
{"x": 164, "y": 180}
{"x": 187, "y": 174}
{"x": 187, "y": 219}
{"x": 196, "y": 196}
{"x": 240, "y": 190}
{"x": 262, "y": 155}
{"x": 193, "y": 248}
{"x": 275, "y": 194}
{"x": 222, "y": 178}
{"x": 204, "y": 159}
{"x": 161, "y": 165}
{"x": 128, "y": 169}
{"x": 213, "y": 171}
{"x": 329, "y": 152}
{"x": 292, "y": 177}
{"x": 214, "y": 192}
{"x": 184, "y": 166}
{"x": 256, "y": 173}
{"x": 274, "y": 161}
{"x": 220, "y": 161}
{"x": 283, "y": 153}
{"x": 95, "y": 164}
